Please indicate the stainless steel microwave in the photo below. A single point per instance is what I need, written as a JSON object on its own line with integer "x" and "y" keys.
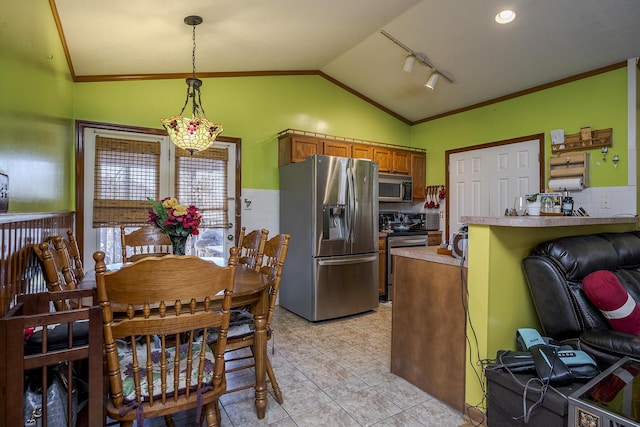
{"x": 395, "y": 188}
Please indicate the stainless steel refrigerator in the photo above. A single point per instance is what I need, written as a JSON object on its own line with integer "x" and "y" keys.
{"x": 329, "y": 206}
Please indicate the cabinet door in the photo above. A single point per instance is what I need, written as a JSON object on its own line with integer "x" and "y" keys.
{"x": 292, "y": 149}
{"x": 301, "y": 148}
{"x": 401, "y": 162}
{"x": 382, "y": 268}
{"x": 384, "y": 159}
{"x": 419, "y": 174}
{"x": 362, "y": 151}
{"x": 337, "y": 148}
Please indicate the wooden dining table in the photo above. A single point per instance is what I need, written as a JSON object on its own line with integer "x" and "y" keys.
{"x": 251, "y": 288}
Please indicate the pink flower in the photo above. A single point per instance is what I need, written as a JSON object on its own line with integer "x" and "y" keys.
{"x": 173, "y": 218}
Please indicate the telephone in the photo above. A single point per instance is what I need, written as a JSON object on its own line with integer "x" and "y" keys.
{"x": 553, "y": 362}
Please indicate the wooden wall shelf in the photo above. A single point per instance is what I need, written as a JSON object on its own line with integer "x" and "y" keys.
{"x": 575, "y": 141}
{"x": 569, "y": 166}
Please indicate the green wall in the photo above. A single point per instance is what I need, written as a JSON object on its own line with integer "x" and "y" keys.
{"x": 252, "y": 108}
{"x": 36, "y": 110}
{"x": 599, "y": 101}
{"x": 39, "y": 103}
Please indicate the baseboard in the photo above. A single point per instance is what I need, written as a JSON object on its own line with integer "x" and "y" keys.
{"x": 474, "y": 416}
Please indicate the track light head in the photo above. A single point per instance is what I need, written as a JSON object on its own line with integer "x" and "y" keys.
{"x": 408, "y": 63}
{"x": 433, "y": 79}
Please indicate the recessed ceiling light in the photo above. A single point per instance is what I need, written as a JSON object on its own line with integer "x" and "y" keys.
{"x": 505, "y": 16}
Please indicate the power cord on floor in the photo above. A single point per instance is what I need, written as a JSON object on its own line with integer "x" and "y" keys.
{"x": 484, "y": 363}
{"x": 481, "y": 406}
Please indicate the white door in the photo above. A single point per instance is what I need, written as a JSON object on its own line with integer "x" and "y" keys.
{"x": 108, "y": 240}
{"x": 486, "y": 181}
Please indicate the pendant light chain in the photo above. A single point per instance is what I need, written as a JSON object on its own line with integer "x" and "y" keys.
{"x": 197, "y": 104}
{"x": 195, "y": 133}
{"x": 193, "y": 52}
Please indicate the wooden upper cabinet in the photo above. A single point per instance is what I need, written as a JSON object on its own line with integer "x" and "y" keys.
{"x": 419, "y": 174}
{"x": 361, "y": 151}
{"x": 337, "y": 148}
{"x": 383, "y": 156}
{"x": 295, "y": 148}
{"x": 401, "y": 162}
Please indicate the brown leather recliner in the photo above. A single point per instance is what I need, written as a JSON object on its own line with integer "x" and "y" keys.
{"x": 554, "y": 271}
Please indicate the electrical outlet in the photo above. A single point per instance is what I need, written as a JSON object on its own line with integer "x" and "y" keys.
{"x": 604, "y": 202}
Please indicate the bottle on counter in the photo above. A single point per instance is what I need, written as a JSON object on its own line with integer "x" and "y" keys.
{"x": 567, "y": 206}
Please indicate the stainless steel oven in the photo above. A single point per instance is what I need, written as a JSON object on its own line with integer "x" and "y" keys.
{"x": 399, "y": 240}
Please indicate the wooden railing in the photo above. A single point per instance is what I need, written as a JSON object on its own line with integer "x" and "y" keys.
{"x": 19, "y": 270}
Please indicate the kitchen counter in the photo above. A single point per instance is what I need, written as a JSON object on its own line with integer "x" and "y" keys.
{"x": 426, "y": 253}
{"x": 546, "y": 221}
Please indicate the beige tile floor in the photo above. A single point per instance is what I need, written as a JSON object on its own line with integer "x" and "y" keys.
{"x": 333, "y": 373}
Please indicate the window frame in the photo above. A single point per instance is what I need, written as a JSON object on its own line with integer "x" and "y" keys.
{"x": 81, "y": 126}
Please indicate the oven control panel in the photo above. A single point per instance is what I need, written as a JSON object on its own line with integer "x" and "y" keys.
{"x": 401, "y": 222}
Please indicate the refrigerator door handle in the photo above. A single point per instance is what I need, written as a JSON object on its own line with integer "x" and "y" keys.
{"x": 349, "y": 260}
{"x": 352, "y": 204}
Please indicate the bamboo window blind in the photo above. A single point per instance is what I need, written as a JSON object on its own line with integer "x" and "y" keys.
{"x": 202, "y": 180}
{"x": 128, "y": 171}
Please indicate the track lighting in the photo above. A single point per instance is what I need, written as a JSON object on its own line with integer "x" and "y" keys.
{"x": 420, "y": 57}
{"x": 433, "y": 79}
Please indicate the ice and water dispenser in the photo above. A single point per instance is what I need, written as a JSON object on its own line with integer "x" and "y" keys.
{"x": 333, "y": 222}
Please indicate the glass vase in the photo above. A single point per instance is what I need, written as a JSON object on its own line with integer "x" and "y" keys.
{"x": 179, "y": 244}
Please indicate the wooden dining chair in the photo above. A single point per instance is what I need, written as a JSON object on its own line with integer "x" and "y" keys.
{"x": 156, "y": 306}
{"x": 275, "y": 253}
{"x": 54, "y": 260}
{"x": 146, "y": 241}
{"x": 74, "y": 254}
{"x": 251, "y": 247}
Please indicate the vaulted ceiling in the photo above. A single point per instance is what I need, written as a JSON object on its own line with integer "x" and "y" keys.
{"x": 550, "y": 40}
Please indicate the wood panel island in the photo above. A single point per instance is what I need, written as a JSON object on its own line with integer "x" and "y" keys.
{"x": 428, "y": 331}
{"x": 428, "y": 322}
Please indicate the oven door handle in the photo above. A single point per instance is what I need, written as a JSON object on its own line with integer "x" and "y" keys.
{"x": 406, "y": 242}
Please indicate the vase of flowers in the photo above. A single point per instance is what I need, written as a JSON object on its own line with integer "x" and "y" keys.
{"x": 177, "y": 221}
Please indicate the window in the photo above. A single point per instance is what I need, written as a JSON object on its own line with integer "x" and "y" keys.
{"x": 202, "y": 180}
{"x": 128, "y": 167}
{"x": 126, "y": 173}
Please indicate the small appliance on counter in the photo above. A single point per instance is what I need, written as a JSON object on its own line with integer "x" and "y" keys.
{"x": 459, "y": 242}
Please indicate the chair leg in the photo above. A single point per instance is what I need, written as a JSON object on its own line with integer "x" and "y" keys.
{"x": 212, "y": 414}
{"x": 168, "y": 420}
{"x": 274, "y": 383}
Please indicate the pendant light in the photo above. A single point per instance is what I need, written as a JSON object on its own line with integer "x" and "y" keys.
{"x": 195, "y": 133}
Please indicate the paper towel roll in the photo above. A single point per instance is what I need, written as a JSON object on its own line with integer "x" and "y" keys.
{"x": 569, "y": 184}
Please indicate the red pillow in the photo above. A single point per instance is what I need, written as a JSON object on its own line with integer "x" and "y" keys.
{"x": 604, "y": 291}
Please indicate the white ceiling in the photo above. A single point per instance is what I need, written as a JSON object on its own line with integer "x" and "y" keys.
{"x": 549, "y": 40}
